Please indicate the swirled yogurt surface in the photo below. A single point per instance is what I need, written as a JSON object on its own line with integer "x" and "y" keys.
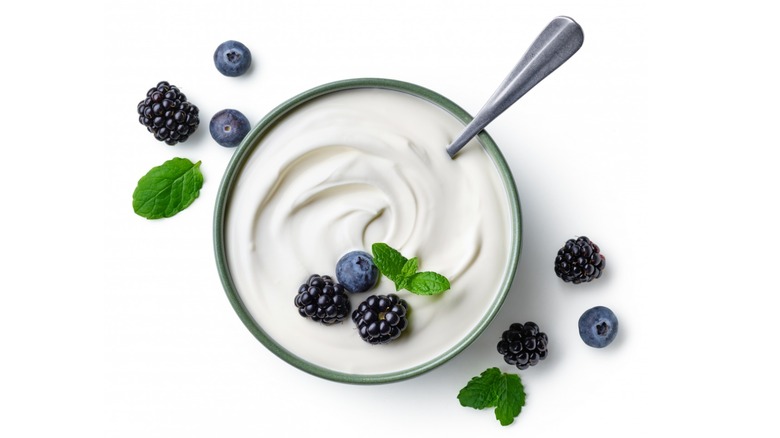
{"x": 344, "y": 171}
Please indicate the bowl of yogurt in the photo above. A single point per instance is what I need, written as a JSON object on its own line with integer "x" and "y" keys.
{"x": 345, "y": 165}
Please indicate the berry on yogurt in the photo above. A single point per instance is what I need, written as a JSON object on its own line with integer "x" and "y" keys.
{"x": 381, "y": 318}
{"x": 322, "y": 300}
{"x": 357, "y": 272}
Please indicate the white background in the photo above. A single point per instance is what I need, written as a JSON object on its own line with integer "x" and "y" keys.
{"x": 658, "y": 140}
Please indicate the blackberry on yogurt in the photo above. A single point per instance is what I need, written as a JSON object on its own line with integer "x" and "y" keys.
{"x": 381, "y": 318}
{"x": 323, "y": 300}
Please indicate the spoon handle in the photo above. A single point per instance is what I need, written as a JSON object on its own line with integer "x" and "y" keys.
{"x": 555, "y": 45}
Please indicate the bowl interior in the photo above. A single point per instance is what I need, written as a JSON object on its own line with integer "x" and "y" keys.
{"x": 253, "y": 310}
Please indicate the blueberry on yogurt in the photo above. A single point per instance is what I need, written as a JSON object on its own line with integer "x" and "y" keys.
{"x": 232, "y": 58}
{"x": 598, "y": 326}
{"x": 357, "y": 272}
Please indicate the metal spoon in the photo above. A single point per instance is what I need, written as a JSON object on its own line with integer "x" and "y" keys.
{"x": 555, "y": 45}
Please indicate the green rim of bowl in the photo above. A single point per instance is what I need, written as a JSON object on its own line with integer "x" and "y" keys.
{"x": 247, "y": 147}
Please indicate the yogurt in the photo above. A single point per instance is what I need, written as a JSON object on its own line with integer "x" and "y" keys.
{"x": 344, "y": 171}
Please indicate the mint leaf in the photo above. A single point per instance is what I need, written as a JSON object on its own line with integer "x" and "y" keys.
{"x": 167, "y": 189}
{"x": 492, "y": 388}
{"x": 511, "y": 399}
{"x": 407, "y": 270}
{"x": 410, "y": 267}
{"x": 403, "y": 272}
{"x": 481, "y": 391}
{"x": 389, "y": 261}
{"x": 428, "y": 283}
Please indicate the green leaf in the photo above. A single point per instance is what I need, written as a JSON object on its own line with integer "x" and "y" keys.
{"x": 428, "y": 283}
{"x": 481, "y": 391}
{"x": 167, "y": 189}
{"x": 492, "y": 388}
{"x": 403, "y": 272}
{"x": 407, "y": 270}
{"x": 511, "y": 399}
{"x": 389, "y": 261}
{"x": 410, "y": 267}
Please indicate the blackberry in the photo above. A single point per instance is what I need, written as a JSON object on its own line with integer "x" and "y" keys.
{"x": 381, "y": 318}
{"x": 166, "y": 113}
{"x": 523, "y": 345}
{"x": 322, "y": 300}
{"x": 579, "y": 261}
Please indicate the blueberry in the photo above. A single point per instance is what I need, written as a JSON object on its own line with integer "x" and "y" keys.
{"x": 232, "y": 58}
{"x": 228, "y": 127}
{"x": 357, "y": 272}
{"x": 598, "y": 326}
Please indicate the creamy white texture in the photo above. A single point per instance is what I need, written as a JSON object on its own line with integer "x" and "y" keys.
{"x": 351, "y": 169}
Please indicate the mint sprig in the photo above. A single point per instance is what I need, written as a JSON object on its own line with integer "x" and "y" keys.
{"x": 167, "y": 189}
{"x": 493, "y": 388}
{"x": 403, "y": 272}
